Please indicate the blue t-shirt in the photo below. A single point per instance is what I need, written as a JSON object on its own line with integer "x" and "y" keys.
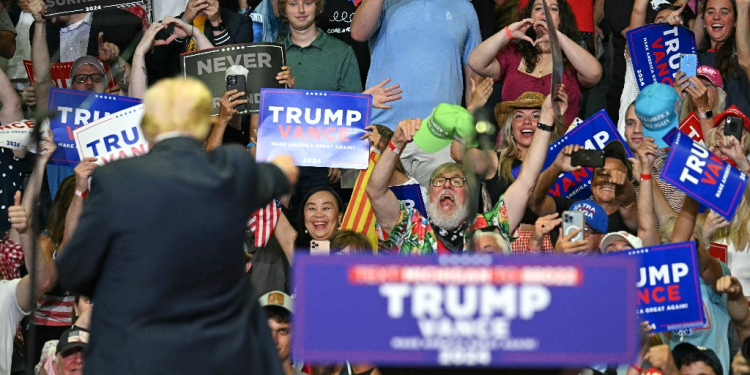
{"x": 422, "y": 45}
{"x": 714, "y": 334}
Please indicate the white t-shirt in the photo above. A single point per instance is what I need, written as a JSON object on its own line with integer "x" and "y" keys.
{"x": 10, "y": 315}
{"x": 739, "y": 264}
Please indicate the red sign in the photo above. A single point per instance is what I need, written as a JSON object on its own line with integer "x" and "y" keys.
{"x": 718, "y": 251}
{"x": 60, "y": 73}
{"x": 691, "y": 126}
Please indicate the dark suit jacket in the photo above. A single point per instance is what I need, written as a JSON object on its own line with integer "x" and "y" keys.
{"x": 120, "y": 27}
{"x": 159, "y": 249}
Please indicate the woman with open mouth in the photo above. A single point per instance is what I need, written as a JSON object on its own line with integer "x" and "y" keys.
{"x": 726, "y": 47}
{"x": 519, "y": 56}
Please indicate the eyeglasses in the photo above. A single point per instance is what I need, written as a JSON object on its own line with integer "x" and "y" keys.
{"x": 455, "y": 181}
{"x": 82, "y": 78}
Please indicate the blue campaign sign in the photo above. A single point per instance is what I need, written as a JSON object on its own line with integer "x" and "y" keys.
{"x": 593, "y": 134}
{"x": 467, "y": 310}
{"x": 655, "y": 51}
{"x": 411, "y": 196}
{"x": 76, "y": 109}
{"x": 317, "y": 128}
{"x": 704, "y": 176}
{"x": 669, "y": 293}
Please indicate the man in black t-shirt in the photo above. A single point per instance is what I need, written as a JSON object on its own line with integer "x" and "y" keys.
{"x": 611, "y": 188}
{"x": 335, "y": 20}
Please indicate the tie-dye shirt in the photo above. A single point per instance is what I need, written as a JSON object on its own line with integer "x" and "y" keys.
{"x": 413, "y": 234}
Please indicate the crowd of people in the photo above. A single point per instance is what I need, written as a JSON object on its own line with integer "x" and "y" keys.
{"x": 154, "y": 254}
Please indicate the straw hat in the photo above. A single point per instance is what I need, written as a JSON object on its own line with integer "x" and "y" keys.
{"x": 529, "y": 99}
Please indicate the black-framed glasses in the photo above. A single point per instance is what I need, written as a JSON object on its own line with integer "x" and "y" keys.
{"x": 455, "y": 181}
{"x": 82, "y": 78}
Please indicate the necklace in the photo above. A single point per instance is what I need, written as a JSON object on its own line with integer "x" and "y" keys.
{"x": 539, "y": 74}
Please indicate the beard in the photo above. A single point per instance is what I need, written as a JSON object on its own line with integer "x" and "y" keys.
{"x": 447, "y": 220}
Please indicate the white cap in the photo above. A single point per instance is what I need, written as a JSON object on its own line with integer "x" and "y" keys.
{"x": 277, "y": 298}
{"x": 634, "y": 241}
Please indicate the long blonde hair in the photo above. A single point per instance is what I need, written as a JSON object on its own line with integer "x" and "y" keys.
{"x": 737, "y": 233}
{"x": 507, "y": 149}
{"x": 689, "y": 105}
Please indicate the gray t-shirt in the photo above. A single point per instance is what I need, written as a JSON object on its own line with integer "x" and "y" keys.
{"x": 5, "y": 23}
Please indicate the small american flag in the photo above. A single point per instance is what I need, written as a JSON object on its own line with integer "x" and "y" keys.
{"x": 263, "y": 222}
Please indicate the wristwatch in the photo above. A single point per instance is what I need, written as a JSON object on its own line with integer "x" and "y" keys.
{"x": 547, "y": 128}
{"x": 707, "y": 115}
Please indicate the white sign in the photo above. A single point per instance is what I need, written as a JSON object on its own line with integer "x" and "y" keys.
{"x": 17, "y": 135}
{"x": 114, "y": 137}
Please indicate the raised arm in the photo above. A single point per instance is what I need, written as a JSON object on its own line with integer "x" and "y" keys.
{"x": 483, "y": 59}
{"x": 83, "y": 172}
{"x": 45, "y": 274}
{"x": 638, "y": 15}
{"x": 520, "y": 190}
{"x": 40, "y": 55}
{"x": 743, "y": 35}
{"x": 483, "y": 162}
{"x": 185, "y": 30}
{"x": 365, "y": 20}
{"x": 588, "y": 67}
{"x": 736, "y": 305}
{"x": 139, "y": 74}
{"x": 10, "y": 106}
{"x": 710, "y": 269}
{"x": 227, "y": 114}
{"x": 384, "y": 203}
{"x": 646, "y": 219}
{"x": 118, "y": 68}
{"x": 541, "y": 203}
{"x": 46, "y": 148}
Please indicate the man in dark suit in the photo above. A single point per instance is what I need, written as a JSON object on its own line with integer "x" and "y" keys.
{"x": 158, "y": 247}
{"x": 120, "y": 27}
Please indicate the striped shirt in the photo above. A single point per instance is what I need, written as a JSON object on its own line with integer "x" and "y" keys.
{"x": 54, "y": 308}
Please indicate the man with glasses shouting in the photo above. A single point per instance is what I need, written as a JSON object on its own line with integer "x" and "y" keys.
{"x": 406, "y": 231}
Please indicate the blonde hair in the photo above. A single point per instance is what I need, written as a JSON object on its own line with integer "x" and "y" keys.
{"x": 177, "y": 104}
{"x": 689, "y": 105}
{"x": 508, "y": 150}
{"x": 710, "y": 139}
{"x": 737, "y": 233}
{"x": 666, "y": 228}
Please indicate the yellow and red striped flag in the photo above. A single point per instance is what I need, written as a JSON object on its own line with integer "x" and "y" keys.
{"x": 359, "y": 216}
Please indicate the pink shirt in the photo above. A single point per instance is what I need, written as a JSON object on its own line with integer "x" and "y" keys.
{"x": 516, "y": 82}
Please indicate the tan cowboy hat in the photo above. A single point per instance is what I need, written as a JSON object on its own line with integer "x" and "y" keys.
{"x": 529, "y": 99}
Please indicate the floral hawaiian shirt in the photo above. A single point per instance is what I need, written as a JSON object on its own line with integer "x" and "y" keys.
{"x": 413, "y": 234}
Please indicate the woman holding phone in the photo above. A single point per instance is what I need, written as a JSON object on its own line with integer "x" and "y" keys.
{"x": 320, "y": 215}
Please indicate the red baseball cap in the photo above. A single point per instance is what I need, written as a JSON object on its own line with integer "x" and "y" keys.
{"x": 711, "y": 74}
{"x": 732, "y": 111}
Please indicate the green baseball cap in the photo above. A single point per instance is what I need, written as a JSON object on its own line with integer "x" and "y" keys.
{"x": 446, "y": 123}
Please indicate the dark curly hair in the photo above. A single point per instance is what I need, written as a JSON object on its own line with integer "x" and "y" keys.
{"x": 567, "y": 26}
{"x": 726, "y": 51}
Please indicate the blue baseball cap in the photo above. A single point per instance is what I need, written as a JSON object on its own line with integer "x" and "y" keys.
{"x": 596, "y": 218}
{"x": 657, "y": 106}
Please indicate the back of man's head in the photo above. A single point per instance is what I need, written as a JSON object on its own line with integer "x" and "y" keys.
{"x": 177, "y": 104}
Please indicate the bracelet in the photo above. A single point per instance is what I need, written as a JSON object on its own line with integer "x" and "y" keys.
{"x": 645, "y": 176}
{"x": 636, "y": 368}
{"x": 251, "y": 144}
{"x": 82, "y": 194}
{"x": 393, "y": 148}
{"x": 507, "y": 32}
{"x": 547, "y": 128}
